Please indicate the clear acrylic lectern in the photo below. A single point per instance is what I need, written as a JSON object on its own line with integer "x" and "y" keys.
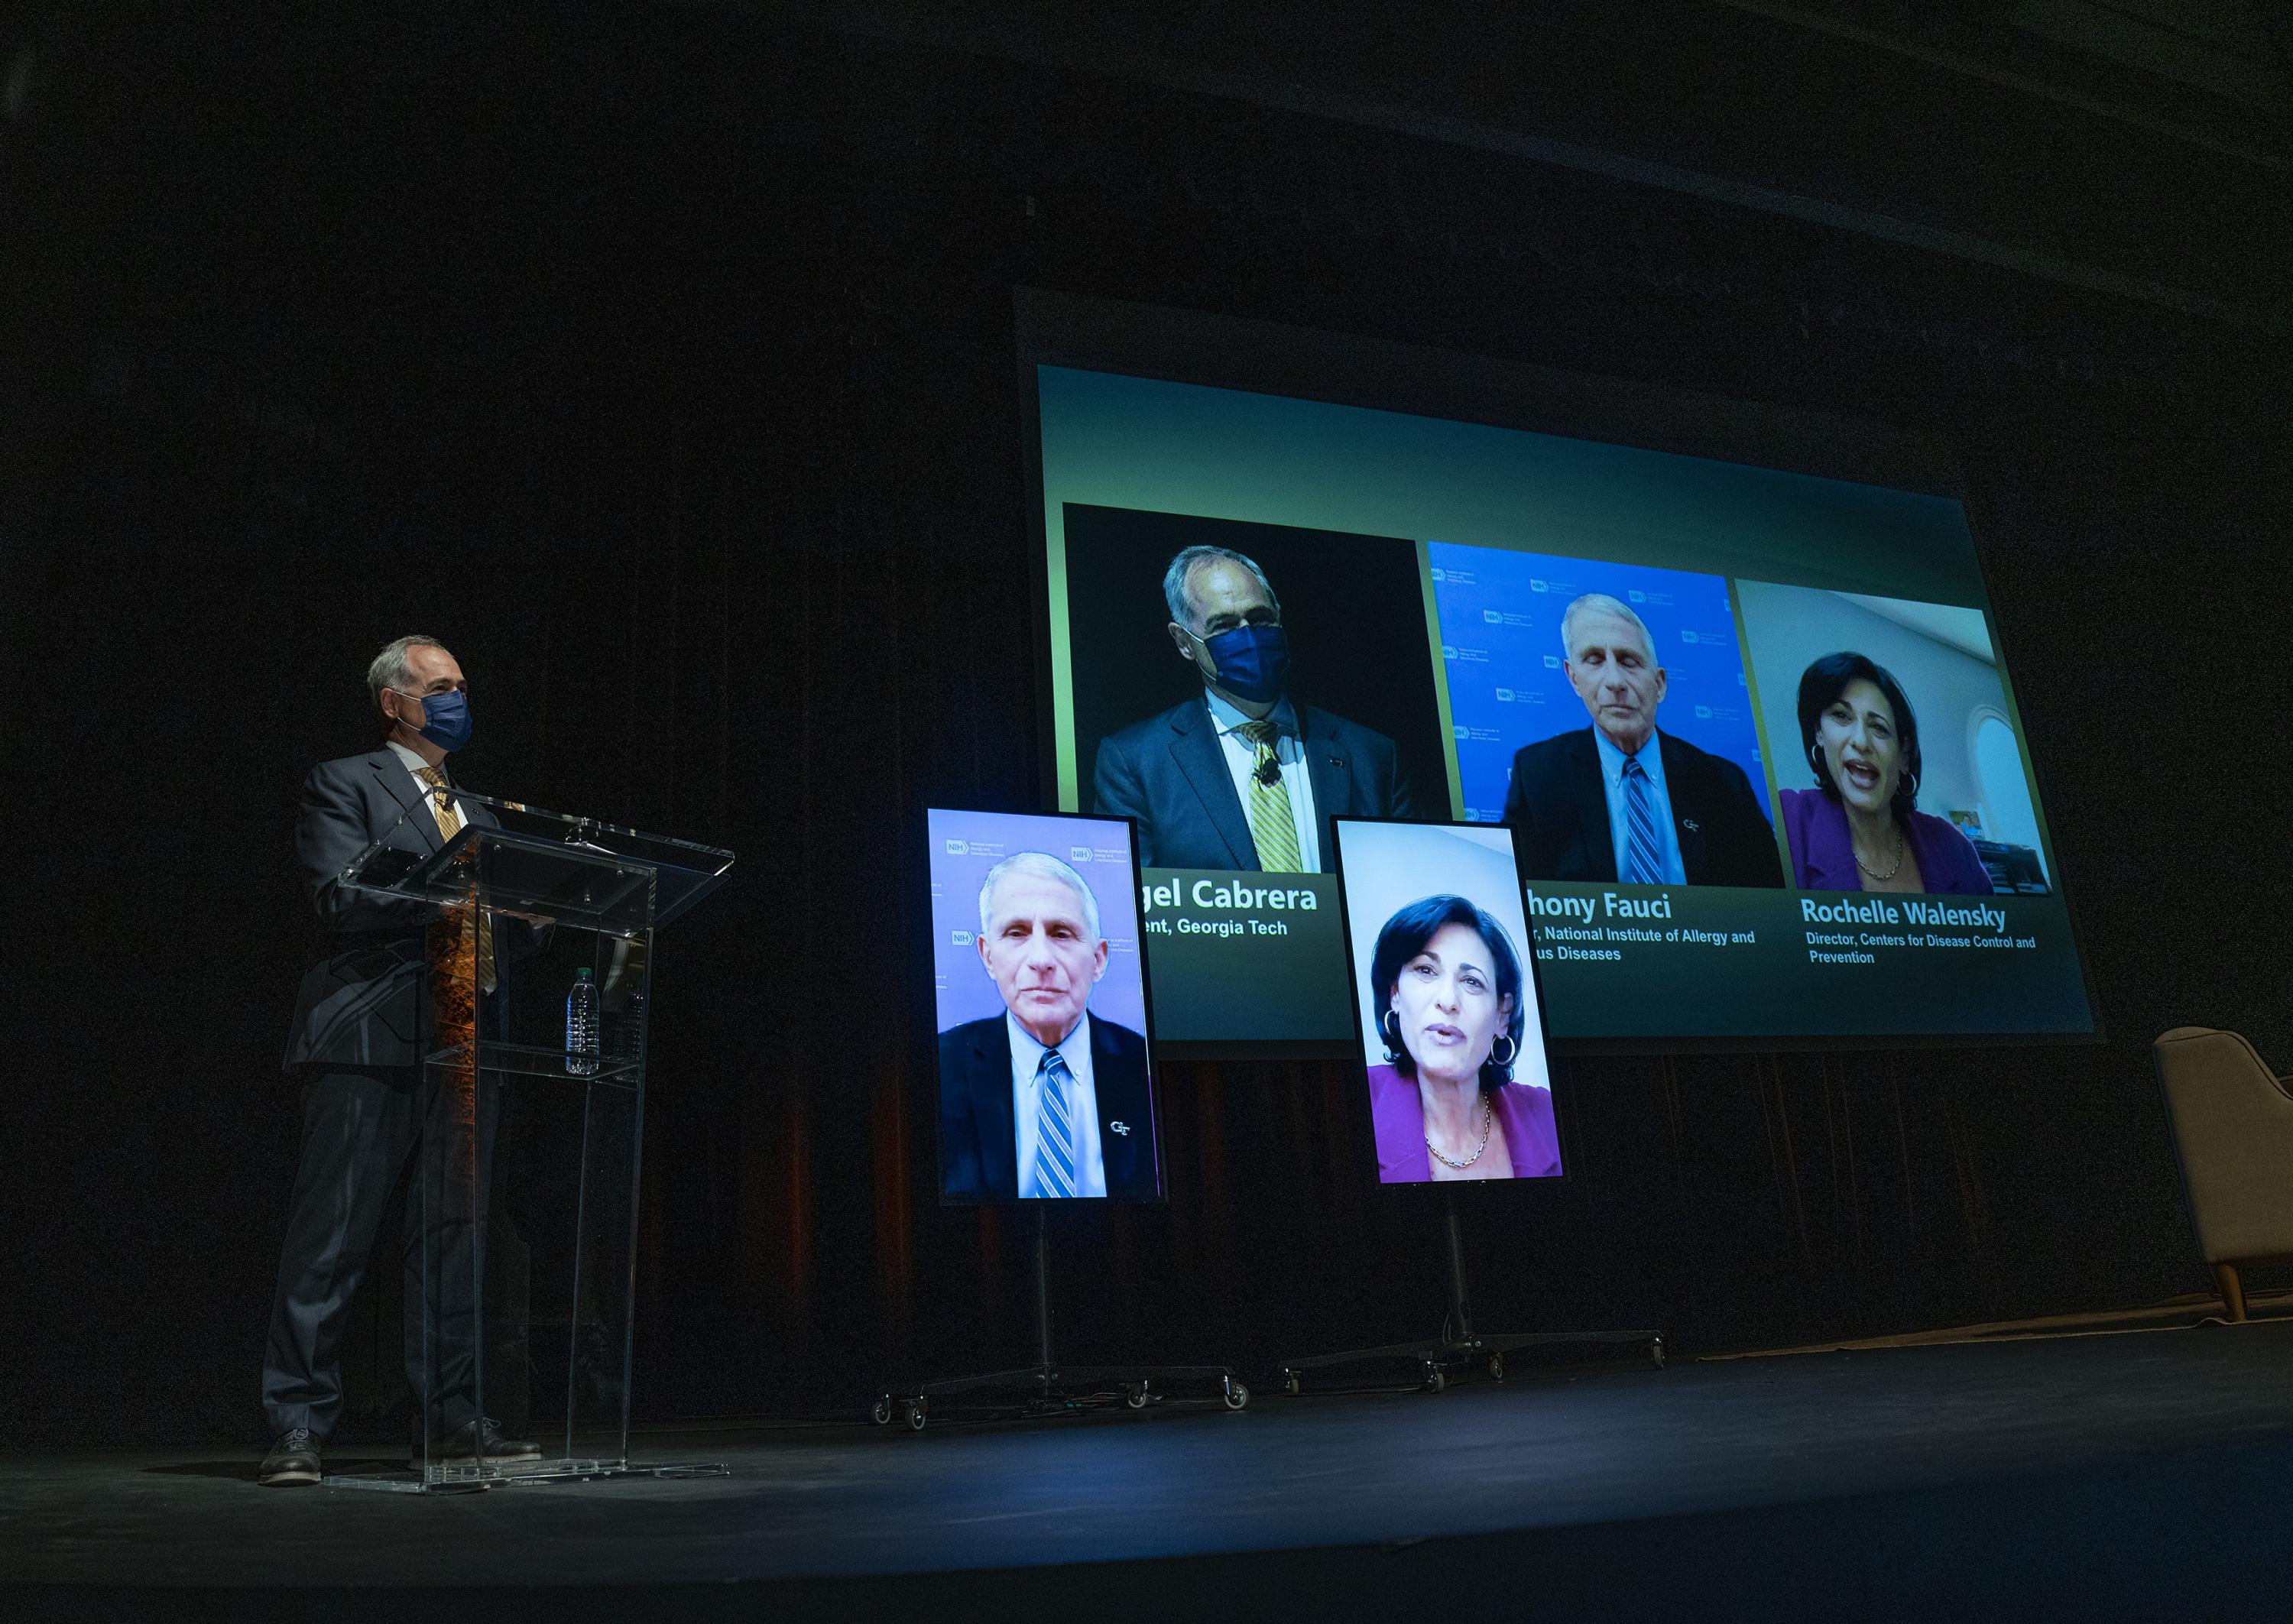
{"x": 525, "y": 1186}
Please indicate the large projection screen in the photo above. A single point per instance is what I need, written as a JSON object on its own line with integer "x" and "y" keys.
{"x": 1728, "y": 674}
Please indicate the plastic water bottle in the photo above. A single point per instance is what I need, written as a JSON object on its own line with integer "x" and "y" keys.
{"x": 581, "y": 1025}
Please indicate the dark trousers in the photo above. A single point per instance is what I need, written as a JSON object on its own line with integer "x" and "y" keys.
{"x": 368, "y": 1130}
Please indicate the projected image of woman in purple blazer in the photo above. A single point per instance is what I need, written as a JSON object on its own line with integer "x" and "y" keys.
{"x": 1896, "y": 756}
{"x": 1453, "y": 1044}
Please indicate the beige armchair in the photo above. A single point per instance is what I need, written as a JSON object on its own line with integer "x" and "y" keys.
{"x": 2232, "y": 1121}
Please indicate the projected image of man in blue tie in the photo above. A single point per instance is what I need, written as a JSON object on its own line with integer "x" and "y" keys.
{"x": 1044, "y": 1102}
{"x": 1600, "y": 804}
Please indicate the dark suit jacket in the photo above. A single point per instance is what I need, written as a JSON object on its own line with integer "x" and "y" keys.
{"x": 363, "y": 994}
{"x": 1557, "y": 802}
{"x": 979, "y": 1143}
{"x": 1170, "y": 772}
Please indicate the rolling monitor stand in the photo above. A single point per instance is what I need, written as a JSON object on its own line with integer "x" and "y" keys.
{"x": 1047, "y": 1388}
{"x": 1459, "y": 1347}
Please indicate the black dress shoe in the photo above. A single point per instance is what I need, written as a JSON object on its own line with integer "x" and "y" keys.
{"x": 482, "y": 1438}
{"x": 293, "y": 1459}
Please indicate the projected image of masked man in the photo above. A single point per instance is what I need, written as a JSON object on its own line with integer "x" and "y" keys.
{"x": 1621, "y": 799}
{"x": 1241, "y": 776}
{"x": 1045, "y": 1100}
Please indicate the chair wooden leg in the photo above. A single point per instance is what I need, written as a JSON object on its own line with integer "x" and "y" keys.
{"x": 2232, "y": 1294}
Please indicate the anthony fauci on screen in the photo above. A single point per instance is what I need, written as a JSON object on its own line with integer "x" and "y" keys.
{"x": 1597, "y": 805}
{"x": 1044, "y": 1100}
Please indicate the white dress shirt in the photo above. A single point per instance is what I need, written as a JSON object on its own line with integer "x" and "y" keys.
{"x": 418, "y": 767}
{"x": 1082, "y": 1106}
{"x": 1620, "y": 825}
{"x": 1242, "y": 766}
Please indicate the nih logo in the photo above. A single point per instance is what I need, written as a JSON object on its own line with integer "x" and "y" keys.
{"x": 1636, "y": 594}
{"x": 1505, "y": 694}
{"x": 1704, "y": 713}
{"x": 1688, "y": 637}
{"x": 959, "y": 848}
{"x": 961, "y": 938}
{"x": 1552, "y": 662}
{"x": 1492, "y": 616}
{"x": 1448, "y": 650}
{"x": 1080, "y": 854}
{"x": 1536, "y": 586}
{"x": 1439, "y": 575}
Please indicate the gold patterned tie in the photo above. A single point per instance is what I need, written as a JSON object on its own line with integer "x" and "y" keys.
{"x": 1272, "y": 823}
{"x": 450, "y": 824}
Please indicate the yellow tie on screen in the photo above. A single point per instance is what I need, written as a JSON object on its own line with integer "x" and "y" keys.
{"x": 1272, "y": 823}
{"x": 450, "y": 824}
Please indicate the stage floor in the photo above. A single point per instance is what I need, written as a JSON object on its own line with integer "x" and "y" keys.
{"x": 2102, "y": 1476}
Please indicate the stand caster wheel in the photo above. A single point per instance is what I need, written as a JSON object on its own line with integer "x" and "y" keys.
{"x": 1497, "y": 1367}
{"x": 1655, "y": 1352}
{"x": 915, "y": 1418}
{"x": 881, "y": 1415}
{"x": 1290, "y": 1383}
{"x": 1237, "y": 1396}
{"x": 1134, "y": 1396}
{"x": 1435, "y": 1378}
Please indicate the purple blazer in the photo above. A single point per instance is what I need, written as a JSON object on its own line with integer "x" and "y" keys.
{"x": 1823, "y": 852}
{"x": 1398, "y": 1115}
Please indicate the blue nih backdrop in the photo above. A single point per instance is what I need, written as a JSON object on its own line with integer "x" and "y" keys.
{"x": 1500, "y": 623}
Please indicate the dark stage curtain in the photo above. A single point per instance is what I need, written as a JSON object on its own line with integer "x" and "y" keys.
{"x": 688, "y": 419}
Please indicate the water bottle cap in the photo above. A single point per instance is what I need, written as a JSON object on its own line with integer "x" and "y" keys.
{"x": 582, "y": 974}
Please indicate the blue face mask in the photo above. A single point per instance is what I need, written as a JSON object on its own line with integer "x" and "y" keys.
{"x": 1253, "y": 662}
{"x": 445, "y": 718}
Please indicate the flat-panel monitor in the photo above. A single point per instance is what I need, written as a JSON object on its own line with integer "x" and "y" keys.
{"x": 1046, "y": 1080}
{"x": 1454, "y": 1074}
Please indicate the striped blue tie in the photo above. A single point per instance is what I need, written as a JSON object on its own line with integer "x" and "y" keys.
{"x": 1055, "y": 1162}
{"x": 1643, "y": 852}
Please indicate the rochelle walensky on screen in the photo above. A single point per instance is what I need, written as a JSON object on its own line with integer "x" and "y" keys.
{"x": 1453, "y": 1058}
{"x": 1749, "y": 731}
{"x": 1046, "y": 1090}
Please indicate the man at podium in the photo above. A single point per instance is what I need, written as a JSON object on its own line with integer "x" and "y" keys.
{"x": 356, "y": 1044}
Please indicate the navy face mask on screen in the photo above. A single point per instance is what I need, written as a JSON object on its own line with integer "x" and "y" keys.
{"x": 445, "y": 718}
{"x": 1253, "y": 662}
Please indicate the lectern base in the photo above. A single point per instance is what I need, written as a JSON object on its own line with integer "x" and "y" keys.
{"x": 471, "y": 1479}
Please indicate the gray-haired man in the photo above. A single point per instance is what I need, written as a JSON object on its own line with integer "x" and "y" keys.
{"x": 1620, "y": 800}
{"x": 1241, "y": 776}
{"x": 355, "y": 1044}
{"x": 1045, "y": 1100}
